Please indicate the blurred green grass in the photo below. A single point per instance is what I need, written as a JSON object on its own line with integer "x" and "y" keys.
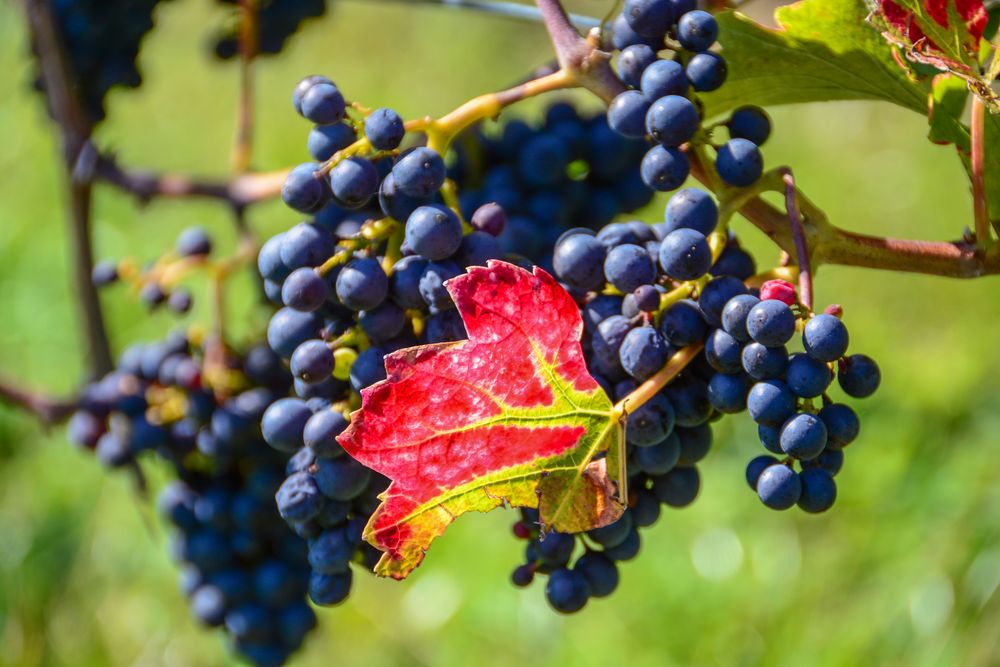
{"x": 903, "y": 571}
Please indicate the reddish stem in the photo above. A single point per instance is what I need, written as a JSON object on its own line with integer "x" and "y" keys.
{"x": 48, "y": 410}
{"x": 980, "y": 208}
{"x": 799, "y": 237}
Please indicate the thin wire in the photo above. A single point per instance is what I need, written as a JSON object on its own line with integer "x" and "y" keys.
{"x": 512, "y": 10}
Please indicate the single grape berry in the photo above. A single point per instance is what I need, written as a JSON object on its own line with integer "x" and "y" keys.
{"x": 304, "y": 289}
{"x": 819, "y": 491}
{"x": 579, "y": 261}
{"x": 323, "y": 104}
{"x": 825, "y": 338}
{"x": 771, "y": 323}
{"x": 750, "y": 123}
{"x": 672, "y": 120}
{"x": 662, "y": 78}
{"x": 693, "y": 208}
{"x": 803, "y": 436}
{"x": 664, "y": 169}
{"x": 312, "y": 362}
{"x": 567, "y": 590}
{"x": 716, "y": 294}
{"x": 384, "y": 129}
{"x": 697, "y": 30}
{"x": 685, "y": 254}
{"x": 303, "y": 190}
{"x": 770, "y": 402}
{"x": 764, "y": 363}
{"x": 600, "y": 572}
{"x": 193, "y": 242}
{"x": 779, "y": 487}
{"x": 303, "y": 86}
{"x": 646, "y": 298}
{"x": 419, "y": 173}
{"x": 649, "y": 18}
{"x": 628, "y": 266}
{"x": 434, "y": 232}
{"x": 842, "y": 424}
{"x": 679, "y": 487}
{"x": 627, "y": 113}
{"x": 734, "y": 316}
{"x": 682, "y": 323}
{"x": 489, "y": 218}
{"x": 859, "y": 375}
{"x": 739, "y": 162}
{"x": 354, "y": 182}
{"x": 283, "y": 423}
{"x": 362, "y": 284}
{"x": 706, "y": 71}
{"x": 722, "y": 352}
{"x": 756, "y": 467}
{"x": 643, "y": 352}
{"x": 806, "y": 377}
{"x": 728, "y": 392}
{"x": 633, "y": 61}
{"x": 325, "y": 140}
{"x": 104, "y": 273}
{"x": 660, "y": 458}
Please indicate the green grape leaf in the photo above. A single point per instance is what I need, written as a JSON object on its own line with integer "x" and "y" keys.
{"x": 825, "y": 50}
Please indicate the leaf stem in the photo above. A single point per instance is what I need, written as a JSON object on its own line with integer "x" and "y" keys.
{"x": 799, "y": 237}
{"x": 978, "y": 160}
{"x": 662, "y": 378}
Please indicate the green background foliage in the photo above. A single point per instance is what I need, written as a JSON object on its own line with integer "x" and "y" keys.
{"x": 903, "y": 570}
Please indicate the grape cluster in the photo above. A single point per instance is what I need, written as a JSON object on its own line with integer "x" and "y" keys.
{"x": 156, "y": 283}
{"x": 632, "y": 327}
{"x": 101, "y": 39}
{"x": 277, "y": 21}
{"x": 660, "y": 103}
{"x": 570, "y": 169}
{"x": 198, "y": 406}
{"x": 345, "y": 304}
{"x": 754, "y": 371}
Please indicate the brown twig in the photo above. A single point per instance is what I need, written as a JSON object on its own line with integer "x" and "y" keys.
{"x": 832, "y": 245}
{"x": 239, "y": 192}
{"x": 248, "y": 33}
{"x": 75, "y": 128}
{"x": 48, "y": 410}
{"x": 799, "y": 237}
{"x": 980, "y": 207}
{"x": 589, "y": 65}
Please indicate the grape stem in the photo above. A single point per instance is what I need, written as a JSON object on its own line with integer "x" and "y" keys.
{"x": 47, "y": 409}
{"x": 247, "y": 38}
{"x": 645, "y": 391}
{"x": 239, "y": 192}
{"x": 980, "y": 209}
{"x": 75, "y": 128}
{"x": 799, "y": 238}
{"x": 831, "y": 245}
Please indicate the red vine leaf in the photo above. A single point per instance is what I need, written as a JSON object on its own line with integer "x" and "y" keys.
{"x": 942, "y": 33}
{"x": 509, "y": 417}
